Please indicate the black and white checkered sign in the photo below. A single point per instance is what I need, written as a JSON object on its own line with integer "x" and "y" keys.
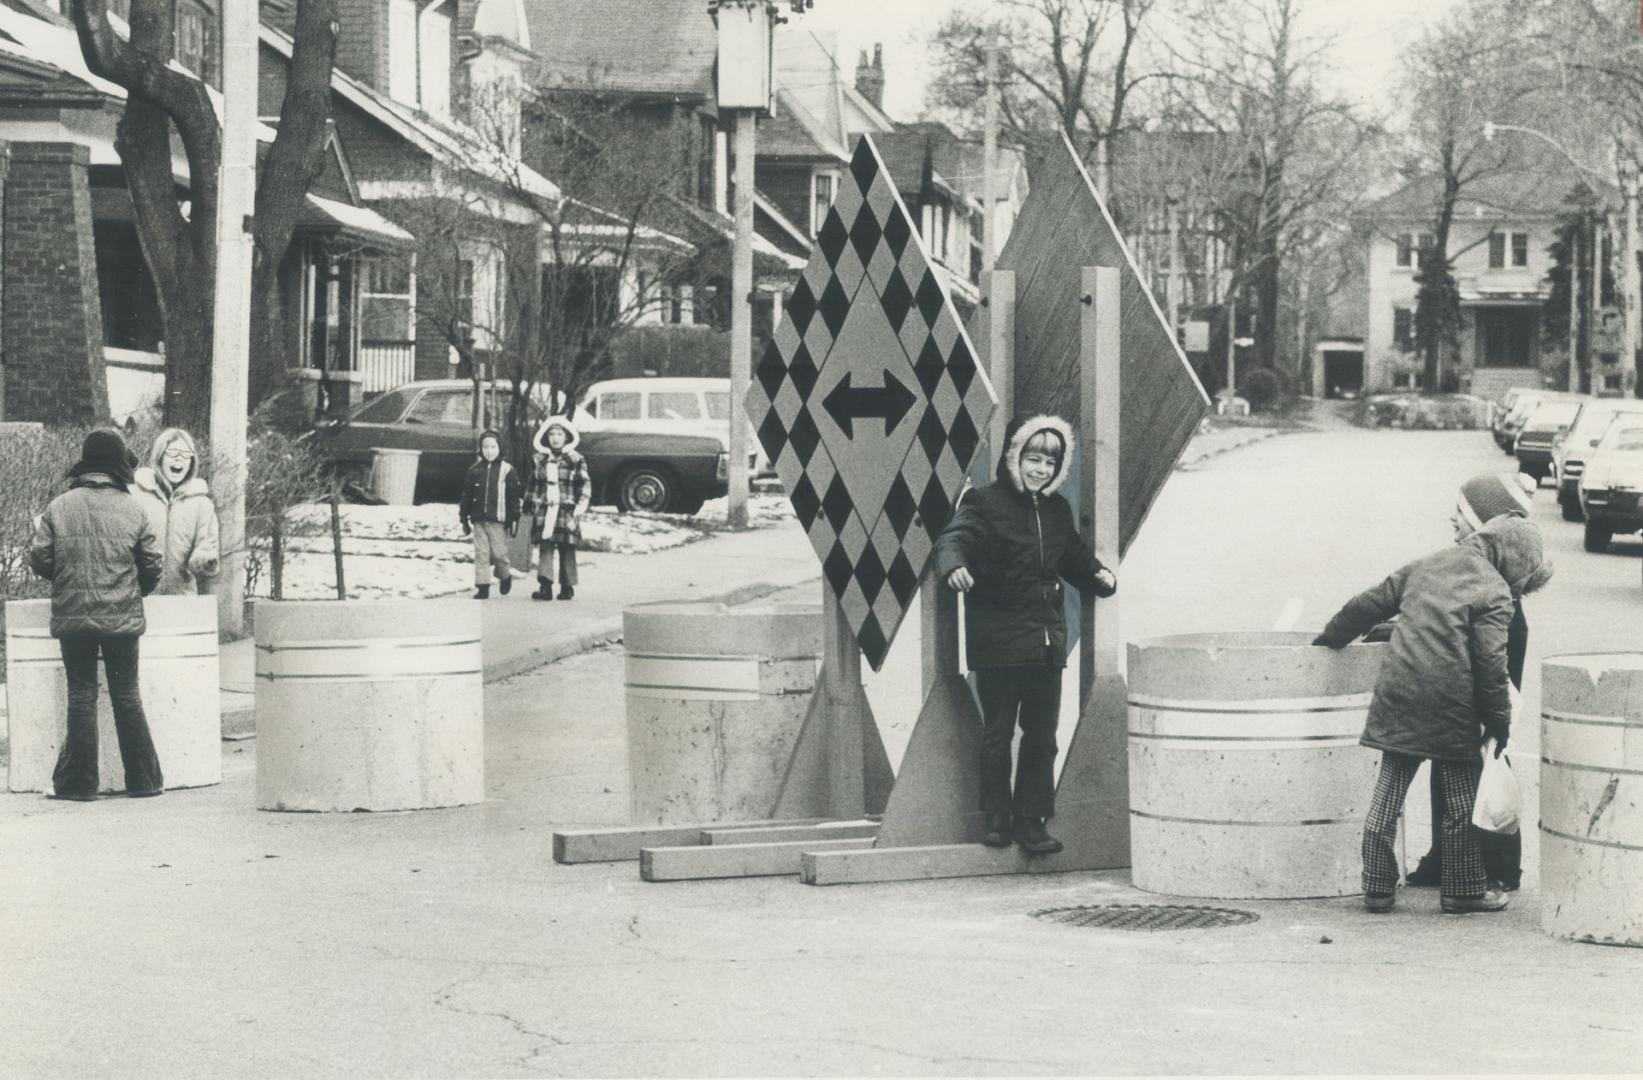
{"x": 870, "y": 402}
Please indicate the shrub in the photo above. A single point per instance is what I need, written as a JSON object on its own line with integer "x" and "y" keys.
{"x": 1260, "y": 388}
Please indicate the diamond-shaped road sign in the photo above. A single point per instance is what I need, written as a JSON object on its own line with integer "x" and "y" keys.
{"x": 1063, "y": 226}
{"x": 870, "y": 403}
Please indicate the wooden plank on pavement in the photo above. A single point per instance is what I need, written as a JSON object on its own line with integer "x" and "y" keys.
{"x": 735, "y": 860}
{"x": 624, "y": 844}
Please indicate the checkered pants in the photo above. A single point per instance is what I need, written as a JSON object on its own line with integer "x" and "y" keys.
{"x": 1462, "y": 857}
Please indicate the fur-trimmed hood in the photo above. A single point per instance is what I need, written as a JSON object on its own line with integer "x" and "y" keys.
{"x": 1018, "y": 434}
{"x": 572, "y": 436}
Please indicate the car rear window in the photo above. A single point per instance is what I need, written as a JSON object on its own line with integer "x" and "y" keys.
{"x": 618, "y": 406}
{"x": 718, "y": 404}
{"x": 385, "y": 409}
{"x": 1553, "y": 414}
{"x": 443, "y": 407}
{"x": 1624, "y": 438}
{"x": 675, "y": 405}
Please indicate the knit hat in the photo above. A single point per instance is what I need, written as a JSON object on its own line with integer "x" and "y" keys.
{"x": 489, "y": 433}
{"x": 1486, "y": 497}
{"x": 104, "y": 451}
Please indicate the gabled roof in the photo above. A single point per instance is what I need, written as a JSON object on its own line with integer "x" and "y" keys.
{"x": 664, "y": 48}
{"x": 818, "y": 108}
{"x": 448, "y": 145}
{"x": 904, "y": 153}
{"x": 1533, "y": 184}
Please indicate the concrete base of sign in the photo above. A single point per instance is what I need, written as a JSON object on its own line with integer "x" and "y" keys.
{"x": 178, "y": 676}
{"x": 369, "y": 705}
{"x": 1246, "y": 777}
{"x": 716, "y": 698}
{"x": 1591, "y": 798}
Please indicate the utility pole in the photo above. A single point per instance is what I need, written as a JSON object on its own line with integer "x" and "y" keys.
{"x": 1634, "y": 279}
{"x": 746, "y": 84}
{"x": 1594, "y": 297}
{"x": 989, "y": 158}
{"x": 231, "y": 337}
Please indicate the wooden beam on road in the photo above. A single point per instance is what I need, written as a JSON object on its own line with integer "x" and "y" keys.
{"x": 820, "y": 867}
{"x": 735, "y": 860}
{"x": 775, "y": 833}
{"x": 624, "y": 844}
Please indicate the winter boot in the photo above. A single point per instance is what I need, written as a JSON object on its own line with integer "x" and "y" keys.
{"x": 482, "y": 592}
{"x": 506, "y": 583}
{"x": 1034, "y": 840}
{"x": 1428, "y": 873}
{"x": 1379, "y": 903}
{"x": 544, "y": 589}
{"x": 996, "y": 833}
{"x": 566, "y": 592}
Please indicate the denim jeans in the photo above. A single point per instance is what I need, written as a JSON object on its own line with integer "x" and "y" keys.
{"x": 76, "y": 772}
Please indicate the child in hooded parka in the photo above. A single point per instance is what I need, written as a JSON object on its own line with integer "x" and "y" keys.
{"x": 1008, "y": 547}
{"x": 178, "y": 503}
{"x": 560, "y": 491}
{"x": 1441, "y": 693}
{"x": 490, "y": 511}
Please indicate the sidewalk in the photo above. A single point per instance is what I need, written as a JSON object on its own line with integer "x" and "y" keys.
{"x": 521, "y": 633}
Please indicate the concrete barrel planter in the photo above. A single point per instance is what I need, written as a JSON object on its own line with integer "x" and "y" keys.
{"x": 178, "y": 675}
{"x": 369, "y": 705}
{"x": 715, "y": 701}
{"x": 1246, "y": 777}
{"x": 1591, "y": 798}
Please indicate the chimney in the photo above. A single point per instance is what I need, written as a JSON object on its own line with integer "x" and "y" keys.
{"x": 870, "y": 76}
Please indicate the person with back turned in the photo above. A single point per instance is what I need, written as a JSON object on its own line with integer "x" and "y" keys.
{"x": 95, "y": 545}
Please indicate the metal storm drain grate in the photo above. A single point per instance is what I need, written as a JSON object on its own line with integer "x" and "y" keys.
{"x": 1146, "y": 917}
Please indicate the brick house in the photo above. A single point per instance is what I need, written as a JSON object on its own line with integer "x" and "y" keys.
{"x": 80, "y": 334}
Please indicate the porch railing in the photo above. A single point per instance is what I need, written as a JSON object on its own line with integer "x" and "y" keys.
{"x": 386, "y": 364}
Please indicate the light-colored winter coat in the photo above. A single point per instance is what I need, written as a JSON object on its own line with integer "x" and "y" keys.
{"x": 184, "y": 519}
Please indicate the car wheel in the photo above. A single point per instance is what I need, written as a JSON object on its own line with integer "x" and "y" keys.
{"x": 650, "y": 488}
{"x": 1597, "y": 537}
{"x": 1571, "y": 510}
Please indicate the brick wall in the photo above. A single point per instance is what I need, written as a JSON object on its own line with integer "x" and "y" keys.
{"x": 362, "y": 43}
{"x": 788, "y": 186}
{"x": 51, "y": 325}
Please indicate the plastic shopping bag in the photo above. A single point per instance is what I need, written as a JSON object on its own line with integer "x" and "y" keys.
{"x": 1498, "y": 805}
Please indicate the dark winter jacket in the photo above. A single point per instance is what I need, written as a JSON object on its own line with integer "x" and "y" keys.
{"x": 1018, "y": 546}
{"x": 1444, "y": 681}
{"x": 490, "y": 492}
{"x": 96, "y": 547}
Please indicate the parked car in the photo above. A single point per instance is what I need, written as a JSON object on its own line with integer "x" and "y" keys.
{"x": 1570, "y": 451}
{"x": 1513, "y": 419}
{"x": 1533, "y": 445}
{"x": 636, "y": 470}
{"x": 1499, "y": 410}
{"x": 1611, "y": 483}
{"x": 666, "y": 404}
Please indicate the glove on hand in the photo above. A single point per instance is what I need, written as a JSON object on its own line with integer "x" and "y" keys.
{"x": 1501, "y": 733}
{"x": 1328, "y": 642}
{"x": 467, "y": 530}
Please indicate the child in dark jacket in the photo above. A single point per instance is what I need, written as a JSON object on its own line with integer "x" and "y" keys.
{"x": 1008, "y": 548}
{"x": 490, "y": 512}
{"x": 1445, "y": 674}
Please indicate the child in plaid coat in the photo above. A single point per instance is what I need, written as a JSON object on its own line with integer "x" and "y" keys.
{"x": 560, "y": 490}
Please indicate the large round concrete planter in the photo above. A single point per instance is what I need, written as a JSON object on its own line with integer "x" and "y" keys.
{"x": 178, "y": 676}
{"x": 1591, "y": 798}
{"x": 369, "y": 705}
{"x": 715, "y": 701}
{"x": 1246, "y": 777}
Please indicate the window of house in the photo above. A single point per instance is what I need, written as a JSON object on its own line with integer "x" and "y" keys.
{"x": 822, "y": 187}
{"x": 434, "y": 58}
{"x": 1406, "y": 249}
{"x": 402, "y": 50}
{"x": 130, "y": 304}
{"x": 1504, "y": 246}
{"x": 195, "y": 36}
{"x": 675, "y": 405}
{"x": 706, "y": 158}
{"x": 465, "y": 292}
{"x": 619, "y": 406}
{"x": 1403, "y": 328}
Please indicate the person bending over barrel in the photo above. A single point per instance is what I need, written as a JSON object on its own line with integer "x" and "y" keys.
{"x": 1007, "y": 548}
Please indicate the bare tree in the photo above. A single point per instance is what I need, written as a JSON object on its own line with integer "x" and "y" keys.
{"x": 177, "y": 235}
{"x": 1072, "y": 66}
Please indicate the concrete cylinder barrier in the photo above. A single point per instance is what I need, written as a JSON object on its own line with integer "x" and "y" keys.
{"x": 1591, "y": 798}
{"x": 393, "y": 475}
{"x": 177, "y": 672}
{"x": 715, "y": 701}
{"x": 369, "y": 705}
{"x": 1246, "y": 776}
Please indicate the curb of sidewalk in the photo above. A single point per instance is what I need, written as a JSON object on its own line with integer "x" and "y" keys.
{"x": 1188, "y": 466}
{"x": 608, "y": 631}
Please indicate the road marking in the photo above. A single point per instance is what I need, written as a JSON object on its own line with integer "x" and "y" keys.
{"x": 1290, "y": 615}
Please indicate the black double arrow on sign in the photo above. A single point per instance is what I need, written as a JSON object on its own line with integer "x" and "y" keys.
{"x": 846, "y": 404}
